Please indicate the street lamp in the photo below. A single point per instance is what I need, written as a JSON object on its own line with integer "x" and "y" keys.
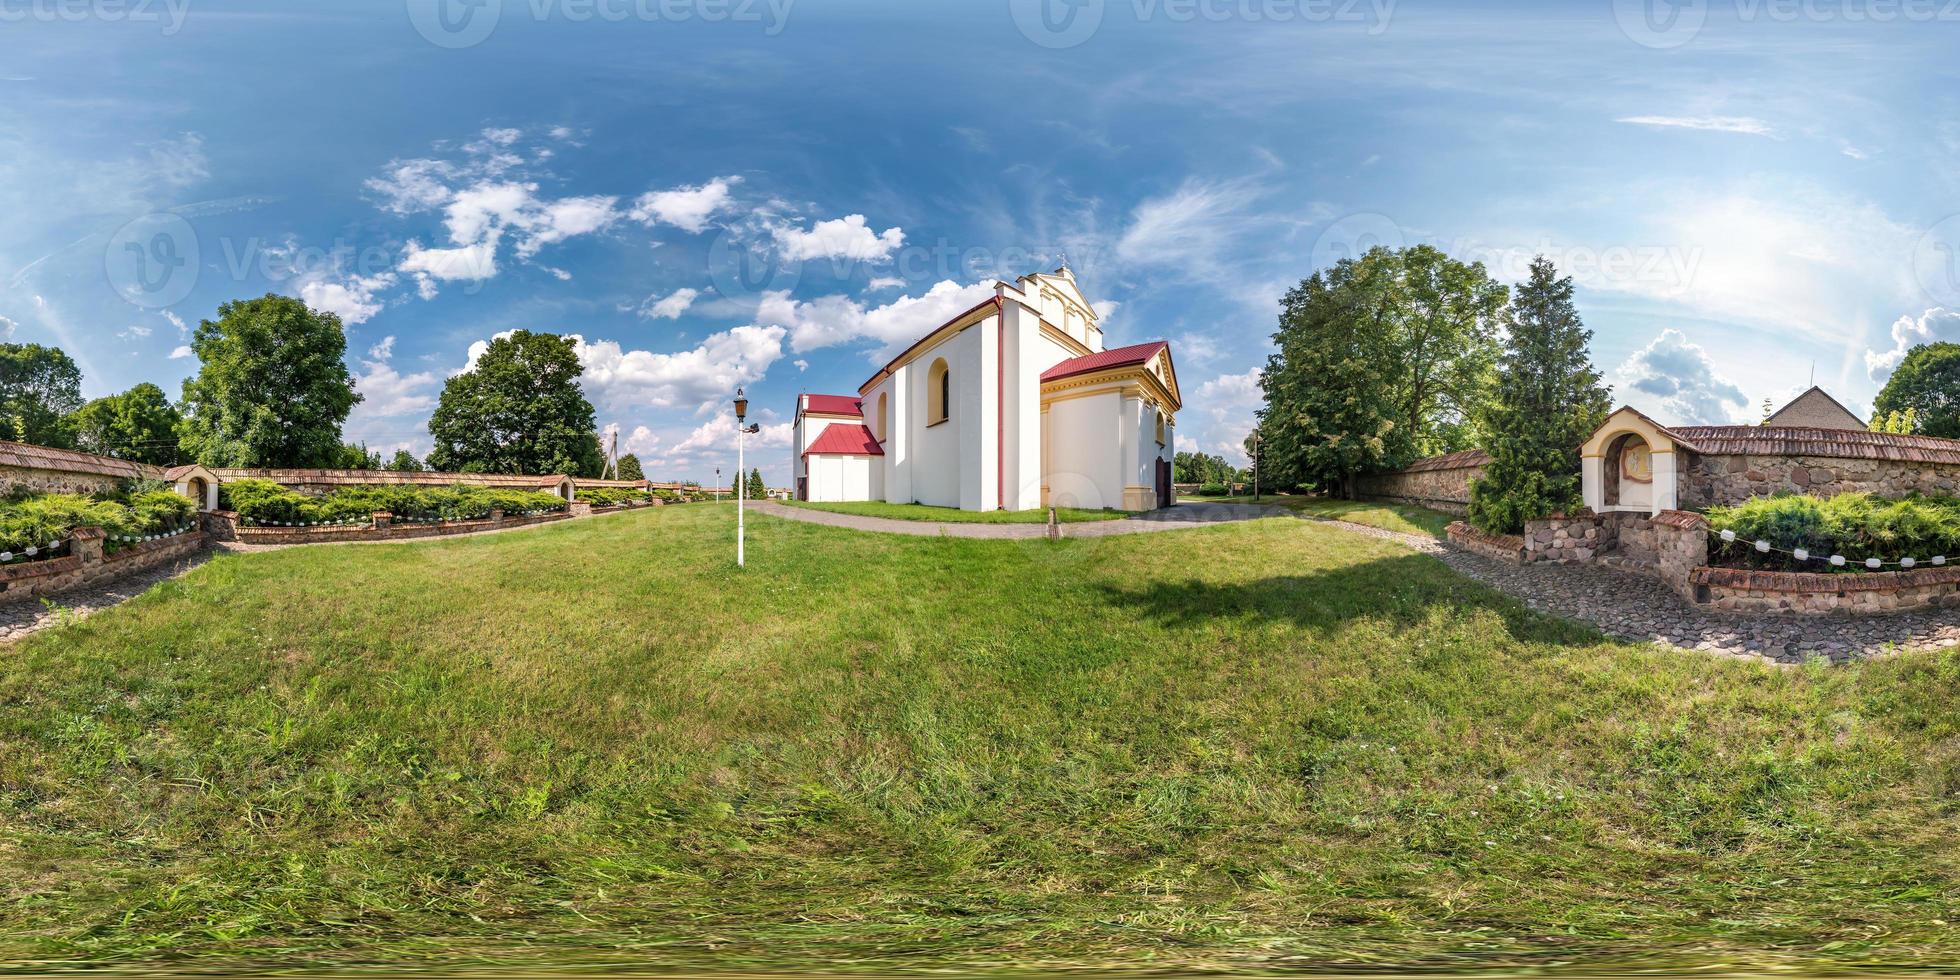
{"x": 742, "y": 431}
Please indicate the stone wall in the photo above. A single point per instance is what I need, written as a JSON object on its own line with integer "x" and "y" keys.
{"x": 87, "y": 563}
{"x": 15, "y": 478}
{"x": 1441, "y": 484}
{"x": 225, "y": 526}
{"x": 1680, "y": 541}
{"x": 1503, "y": 547}
{"x": 1721, "y": 481}
{"x": 1745, "y": 590}
{"x": 1564, "y": 539}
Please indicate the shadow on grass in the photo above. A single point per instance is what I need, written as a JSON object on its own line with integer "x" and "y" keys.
{"x": 1406, "y": 591}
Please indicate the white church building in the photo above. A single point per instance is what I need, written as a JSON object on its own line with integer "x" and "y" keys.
{"x": 1012, "y": 405}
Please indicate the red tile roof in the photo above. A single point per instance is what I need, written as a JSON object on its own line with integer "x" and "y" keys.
{"x": 1103, "y": 360}
{"x": 845, "y": 440}
{"x": 1772, "y": 440}
{"x": 31, "y": 457}
{"x": 835, "y": 405}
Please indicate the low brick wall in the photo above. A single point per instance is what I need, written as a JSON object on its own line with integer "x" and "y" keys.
{"x": 384, "y": 528}
{"x": 1816, "y": 593}
{"x": 1503, "y": 547}
{"x": 87, "y": 564}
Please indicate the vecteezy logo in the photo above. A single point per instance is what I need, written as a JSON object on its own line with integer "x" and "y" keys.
{"x": 741, "y": 271}
{"x": 152, "y": 261}
{"x": 1936, "y": 262}
{"x": 1660, "y": 23}
{"x": 1352, "y": 237}
{"x": 1057, "y": 23}
{"x": 455, "y": 23}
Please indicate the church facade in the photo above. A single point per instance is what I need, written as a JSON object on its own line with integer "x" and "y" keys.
{"x": 1012, "y": 405}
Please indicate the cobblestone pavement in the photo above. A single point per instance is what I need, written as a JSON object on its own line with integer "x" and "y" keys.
{"x": 1169, "y": 519}
{"x": 20, "y": 617}
{"x": 1628, "y": 605}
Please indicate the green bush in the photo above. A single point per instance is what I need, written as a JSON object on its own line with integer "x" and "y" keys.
{"x": 1855, "y": 525}
{"x": 1214, "y": 490}
{"x": 36, "y": 522}
{"x": 612, "y": 496}
{"x": 262, "y": 502}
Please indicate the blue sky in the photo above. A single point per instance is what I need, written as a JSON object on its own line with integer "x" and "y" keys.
{"x": 714, "y": 192}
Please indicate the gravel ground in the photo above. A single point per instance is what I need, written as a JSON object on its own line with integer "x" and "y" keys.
{"x": 20, "y": 617}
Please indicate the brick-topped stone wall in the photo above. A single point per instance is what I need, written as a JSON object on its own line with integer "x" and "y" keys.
{"x": 1440, "y": 483}
{"x": 1745, "y": 590}
{"x": 1503, "y": 547}
{"x": 1722, "y": 481}
{"x": 88, "y": 564}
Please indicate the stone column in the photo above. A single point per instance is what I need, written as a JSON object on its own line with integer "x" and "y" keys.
{"x": 383, "y": 520}
{"x": 496, "y": 515}
{"x": 221, "y": 525}
{"x": 579, "y": 508}
{"x": 87, "y": 544}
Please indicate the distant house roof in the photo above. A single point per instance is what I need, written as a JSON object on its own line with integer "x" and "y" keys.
{"x": 1774, "y": 440}
{"x": 845, "y": 440}
{"x": 376, "y": 478}
{"x": 1815, "y": 409}
{"x": 22, "y": 455}
{"x": 1462, "y": 460}
{"x": 834, "y": 405}
{"x": 1103, "y": 360}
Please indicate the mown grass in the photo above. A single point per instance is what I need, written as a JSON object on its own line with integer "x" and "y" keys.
{"x": 1273, "y": 744}
{"x": 1401, "y": 518}
{"x": 953, "y": 515}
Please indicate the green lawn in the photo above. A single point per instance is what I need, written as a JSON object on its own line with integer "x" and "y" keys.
{"x": 1275, "y": 744}
{"x": 950, "y": 515}
{"x": 1392, "y": 517}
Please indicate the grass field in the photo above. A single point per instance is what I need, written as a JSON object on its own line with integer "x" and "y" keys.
{"x": 1390, "y": 517}
{"x": 951, "y": 515}
{"x": 1273, "y": 744}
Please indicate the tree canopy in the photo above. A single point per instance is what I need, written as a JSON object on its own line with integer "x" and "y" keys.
{"x": 1547, "y": 401}
{"x": 519, "y": 409}
{"x": 629, "y": 468}
{"x": 1197, "y": 467}
{"x": 272, "y": 391}
{"x": 1926, "y": 384}
{"x": 140, "y": 424}
{"x": 39, "y": 388}
{"x": 405, "y": 462}
{"x": 1381, "y": 359}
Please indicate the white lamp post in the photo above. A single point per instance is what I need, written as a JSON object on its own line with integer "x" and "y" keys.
{"x": 742, "y": 431}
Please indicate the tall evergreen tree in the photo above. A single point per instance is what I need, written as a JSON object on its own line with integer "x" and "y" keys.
{"x": 1548, "y": 401}
{"x": 629, "y": 468}
{"x": 758, "y": 490}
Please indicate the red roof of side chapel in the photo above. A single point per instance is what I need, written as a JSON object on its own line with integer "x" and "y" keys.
{"x": 845, "y": 440}
{"x": 1101, "y": 360}
{"x": 835, "y": 405}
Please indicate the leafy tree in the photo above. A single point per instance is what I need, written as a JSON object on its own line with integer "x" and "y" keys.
{"x": 1380, "y": 359}
{"x": 1895, "y": 422}
{"x": 273, "y": 389}
{"x": 758, "y": 490}
{"x": 519, "y": 409}
{"x": 1927, "y": 384}
{"x": 353, "y": 457}
{"x": 629, "y": 468}
{"x": 405, "y": 462}
{"x": 39, "y": 388}
{"x": 1548, "y": 400}
{"x": 140, "y": 424}
{"x": 1197, "y": 467}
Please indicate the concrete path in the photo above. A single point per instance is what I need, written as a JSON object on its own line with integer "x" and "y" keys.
{"x": 1175, "y": 518}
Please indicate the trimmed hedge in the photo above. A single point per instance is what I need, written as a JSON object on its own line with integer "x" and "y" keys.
{"x": 1855, "y": 525}
{"x": 268, "y": 503}
{"x": 612, "y": 496}
{"x": 39, "y": 521}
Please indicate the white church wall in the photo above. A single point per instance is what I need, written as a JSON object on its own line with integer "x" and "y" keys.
{"x": 1025, "y": 355}
{"x": 938, "y": 451}
{"x": 837, "y": 479}
{"x": 1085, "y": 451}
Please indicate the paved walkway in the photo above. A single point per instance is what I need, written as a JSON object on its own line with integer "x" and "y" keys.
{"x": 1628, "y": 605}
{"x": 1170, "y": 519}
{"x": 20, "y": 617}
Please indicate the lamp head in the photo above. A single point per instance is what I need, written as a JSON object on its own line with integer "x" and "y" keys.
{"x": 741, "y": 406}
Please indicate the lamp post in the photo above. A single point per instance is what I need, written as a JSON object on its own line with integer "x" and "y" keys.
{"x": 742, "y": 432}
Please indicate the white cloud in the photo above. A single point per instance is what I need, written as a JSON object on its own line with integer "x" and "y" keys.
{"x": 412, "y": 186}
{"x": 701, "y": 376}
{"x": 1933, "y": 326}
{"x": 1744, "y": 125}
{"x": 133, "y": 332}
{"x": 183, "y": 329}
{"x": 839, "y": 238}
{"x": 801, "y": 364}
{"x": 352, "y": 299}
{"x": 686, "y": 208}
{"x": 392, "y": 403}
{"x": 883, "y": 283}
{"x": 717, "y": 437}
{"x": 1222, "y": 414}
{"x": 831, "y": 320}
{"x": 470, "y": 263}
{"x": 1196, "y": 234}
{"x": 182, "y": 351}
{"x": 669, "y": 307}
{"x": 477, "y": 347}
{"x": 1680, "y": 384}
{"x": 7, "y": 327}
{"x": 566, "y": 218}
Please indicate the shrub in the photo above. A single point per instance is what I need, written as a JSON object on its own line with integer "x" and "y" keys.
{"x": 265, "y": 502}
{"x": 36, "y": 522}
{"x": 1214, "y": 490}
{"x": 1855, "y": 525}
{"x": 611, "y": 496}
